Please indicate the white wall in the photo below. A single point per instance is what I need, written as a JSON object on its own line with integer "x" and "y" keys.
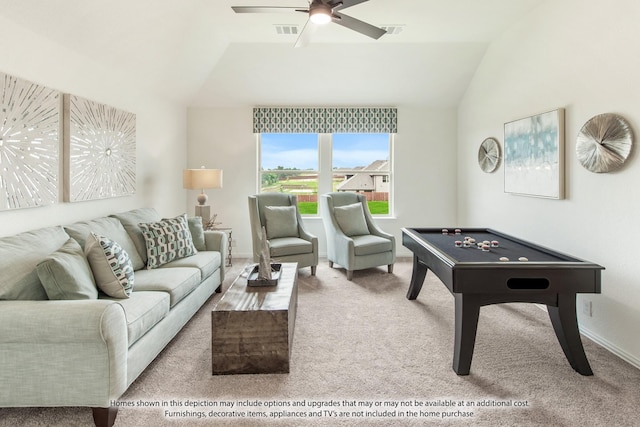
{"x": 424, "y": 178}
{"x": 581, "y": 56}
{"x": 160, "y": 130}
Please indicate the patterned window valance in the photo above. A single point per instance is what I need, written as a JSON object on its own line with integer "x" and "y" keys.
{"x": 325, "y": 120}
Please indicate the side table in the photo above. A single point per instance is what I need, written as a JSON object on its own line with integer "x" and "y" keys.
{"x": 228, "y": 232}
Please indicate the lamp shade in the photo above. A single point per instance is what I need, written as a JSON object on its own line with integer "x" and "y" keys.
{"x": 194, "y": 179}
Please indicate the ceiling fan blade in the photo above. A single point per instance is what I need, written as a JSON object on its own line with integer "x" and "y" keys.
{"x": 358, "y": 25}
{"x": 343, "y": 4}
{"x": 266, "y": 9}
{"x": 305, "y": 35}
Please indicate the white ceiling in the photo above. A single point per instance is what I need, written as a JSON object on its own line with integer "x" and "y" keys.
{"x": 201, "y": 53}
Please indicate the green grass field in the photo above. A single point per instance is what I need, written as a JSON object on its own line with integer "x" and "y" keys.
{"x": 376, "y": 208}
{"x": 293, "y": 186}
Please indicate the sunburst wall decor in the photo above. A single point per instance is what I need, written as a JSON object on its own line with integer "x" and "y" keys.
{"x": 100, "y": 150}
{"x": 29, "y": 144}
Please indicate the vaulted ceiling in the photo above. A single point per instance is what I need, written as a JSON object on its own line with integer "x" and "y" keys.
{"x": 201, "y": 53}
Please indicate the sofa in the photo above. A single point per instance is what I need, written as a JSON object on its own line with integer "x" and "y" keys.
{"x": 86, "y": 307}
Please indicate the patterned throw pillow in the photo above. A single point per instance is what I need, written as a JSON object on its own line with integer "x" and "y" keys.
{"x": 111, "y": 266}
{"x": 167, "y": 240}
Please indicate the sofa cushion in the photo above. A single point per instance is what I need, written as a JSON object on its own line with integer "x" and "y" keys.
{"x": 111, "y": 266}
{"x": 197, "y": 232}
{"x": 65, "y": 274}
{"x": 107, "y": 227}
{"x": 167, "y": 240}
{"x": 351, "y": 219}
{"x": 19, "y": 256}
{"x": 143, "y": 310}
{"x": 290, "y": 246}
{"x": 207, "y": 261}
{"x": 281, "y": 221}
{"x": 177, "y": 282}
{"x": 130, "y": 221}
{"x": 371, "y": 244}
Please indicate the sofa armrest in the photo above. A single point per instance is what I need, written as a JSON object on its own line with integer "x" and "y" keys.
{"x": 217, "y": 241}
{"x": 62, "y": 353}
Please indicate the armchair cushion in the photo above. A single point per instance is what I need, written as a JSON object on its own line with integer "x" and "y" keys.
{"x": 290, "y": 246}
{"x": 370, "y": 244}
{"x": 281, "y": 221}
{"x": 351, "y": 220}
{"x": 66, "y": 275}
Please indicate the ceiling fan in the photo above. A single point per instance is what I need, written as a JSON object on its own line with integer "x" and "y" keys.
{"x": 320, "y": 12}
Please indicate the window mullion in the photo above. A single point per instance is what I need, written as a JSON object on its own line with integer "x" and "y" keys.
{"x": 325, "y": 176}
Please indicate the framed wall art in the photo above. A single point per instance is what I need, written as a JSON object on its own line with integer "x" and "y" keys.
{"x": 534, "y": 155}
{"x": 29, "y": 144}
{"x": 100, "y": 150}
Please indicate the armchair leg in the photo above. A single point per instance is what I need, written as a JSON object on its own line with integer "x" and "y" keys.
{"x": 105, "y": 417}
{"x": 313, "y": 270}
{"x": 349, "y": 274}
{"x": 390, "y": 268}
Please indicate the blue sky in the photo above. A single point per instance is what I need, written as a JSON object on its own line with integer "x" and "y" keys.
{"x": 295, "y": 150}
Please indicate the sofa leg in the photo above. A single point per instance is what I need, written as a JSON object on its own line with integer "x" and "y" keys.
{"x": 313, "y": 270}
{"x": 219, "y": 288}
{"x": 349, "y": 274}
{"x": 105, "y": 417}
{"x": 390, "y": 268}
{"x": 330, "y": 264}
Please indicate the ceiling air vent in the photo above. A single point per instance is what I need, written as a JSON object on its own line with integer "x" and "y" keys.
{"x": 286, "y": 29}
{"x": 392, "y": 29}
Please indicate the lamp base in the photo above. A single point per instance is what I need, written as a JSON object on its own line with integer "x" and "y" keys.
{"x": 204, "y": 211}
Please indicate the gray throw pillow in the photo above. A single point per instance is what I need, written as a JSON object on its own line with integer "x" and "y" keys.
{"x": 111, "y": 266}
{"x": 197, "y": 232}
{"x": 65, "y": 274}
{"x": 167, "y": 240}
{"x": 351, "y": 219}
{"x": 281, "y": 221}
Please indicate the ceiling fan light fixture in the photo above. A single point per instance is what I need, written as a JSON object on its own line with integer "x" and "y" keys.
{"x": 320, "y": 15}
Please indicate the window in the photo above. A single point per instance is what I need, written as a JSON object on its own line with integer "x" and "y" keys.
{"x": 289, "y": 164}
{"x": 308, "y": 164}
{"x": 361, "y": 164}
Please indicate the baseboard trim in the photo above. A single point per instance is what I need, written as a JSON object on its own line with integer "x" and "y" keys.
{"x": 607, "y": 345}
{"x": 612, "y": 348}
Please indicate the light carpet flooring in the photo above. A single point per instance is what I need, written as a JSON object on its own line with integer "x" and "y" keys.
{"x": 363, "y": 342}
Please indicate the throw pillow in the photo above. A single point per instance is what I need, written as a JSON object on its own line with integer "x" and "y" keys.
{"x": 281, "y": 221}
{"x": 197, "y": 232}
{"x": 351, "y": 219}
{"x": 111, "y": 266}
{"x": 167, "y": 240}
{"x": 65, "y": 274}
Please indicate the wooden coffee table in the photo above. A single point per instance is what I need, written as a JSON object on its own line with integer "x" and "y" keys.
{"x": 252, "y": 327}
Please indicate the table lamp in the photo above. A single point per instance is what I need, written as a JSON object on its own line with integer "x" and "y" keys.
{"x": 194, "y": 179}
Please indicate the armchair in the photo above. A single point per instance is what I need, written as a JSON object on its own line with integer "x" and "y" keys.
{"x": 288, "y": 240}
{"x": 354, "y": 241}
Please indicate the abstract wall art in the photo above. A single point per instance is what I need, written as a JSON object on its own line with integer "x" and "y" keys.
{"x": 100, "y": 150}
{"x": 534, "y": 155}
{"x": 29, "y": 144}
{"x": 604, "y": 143}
